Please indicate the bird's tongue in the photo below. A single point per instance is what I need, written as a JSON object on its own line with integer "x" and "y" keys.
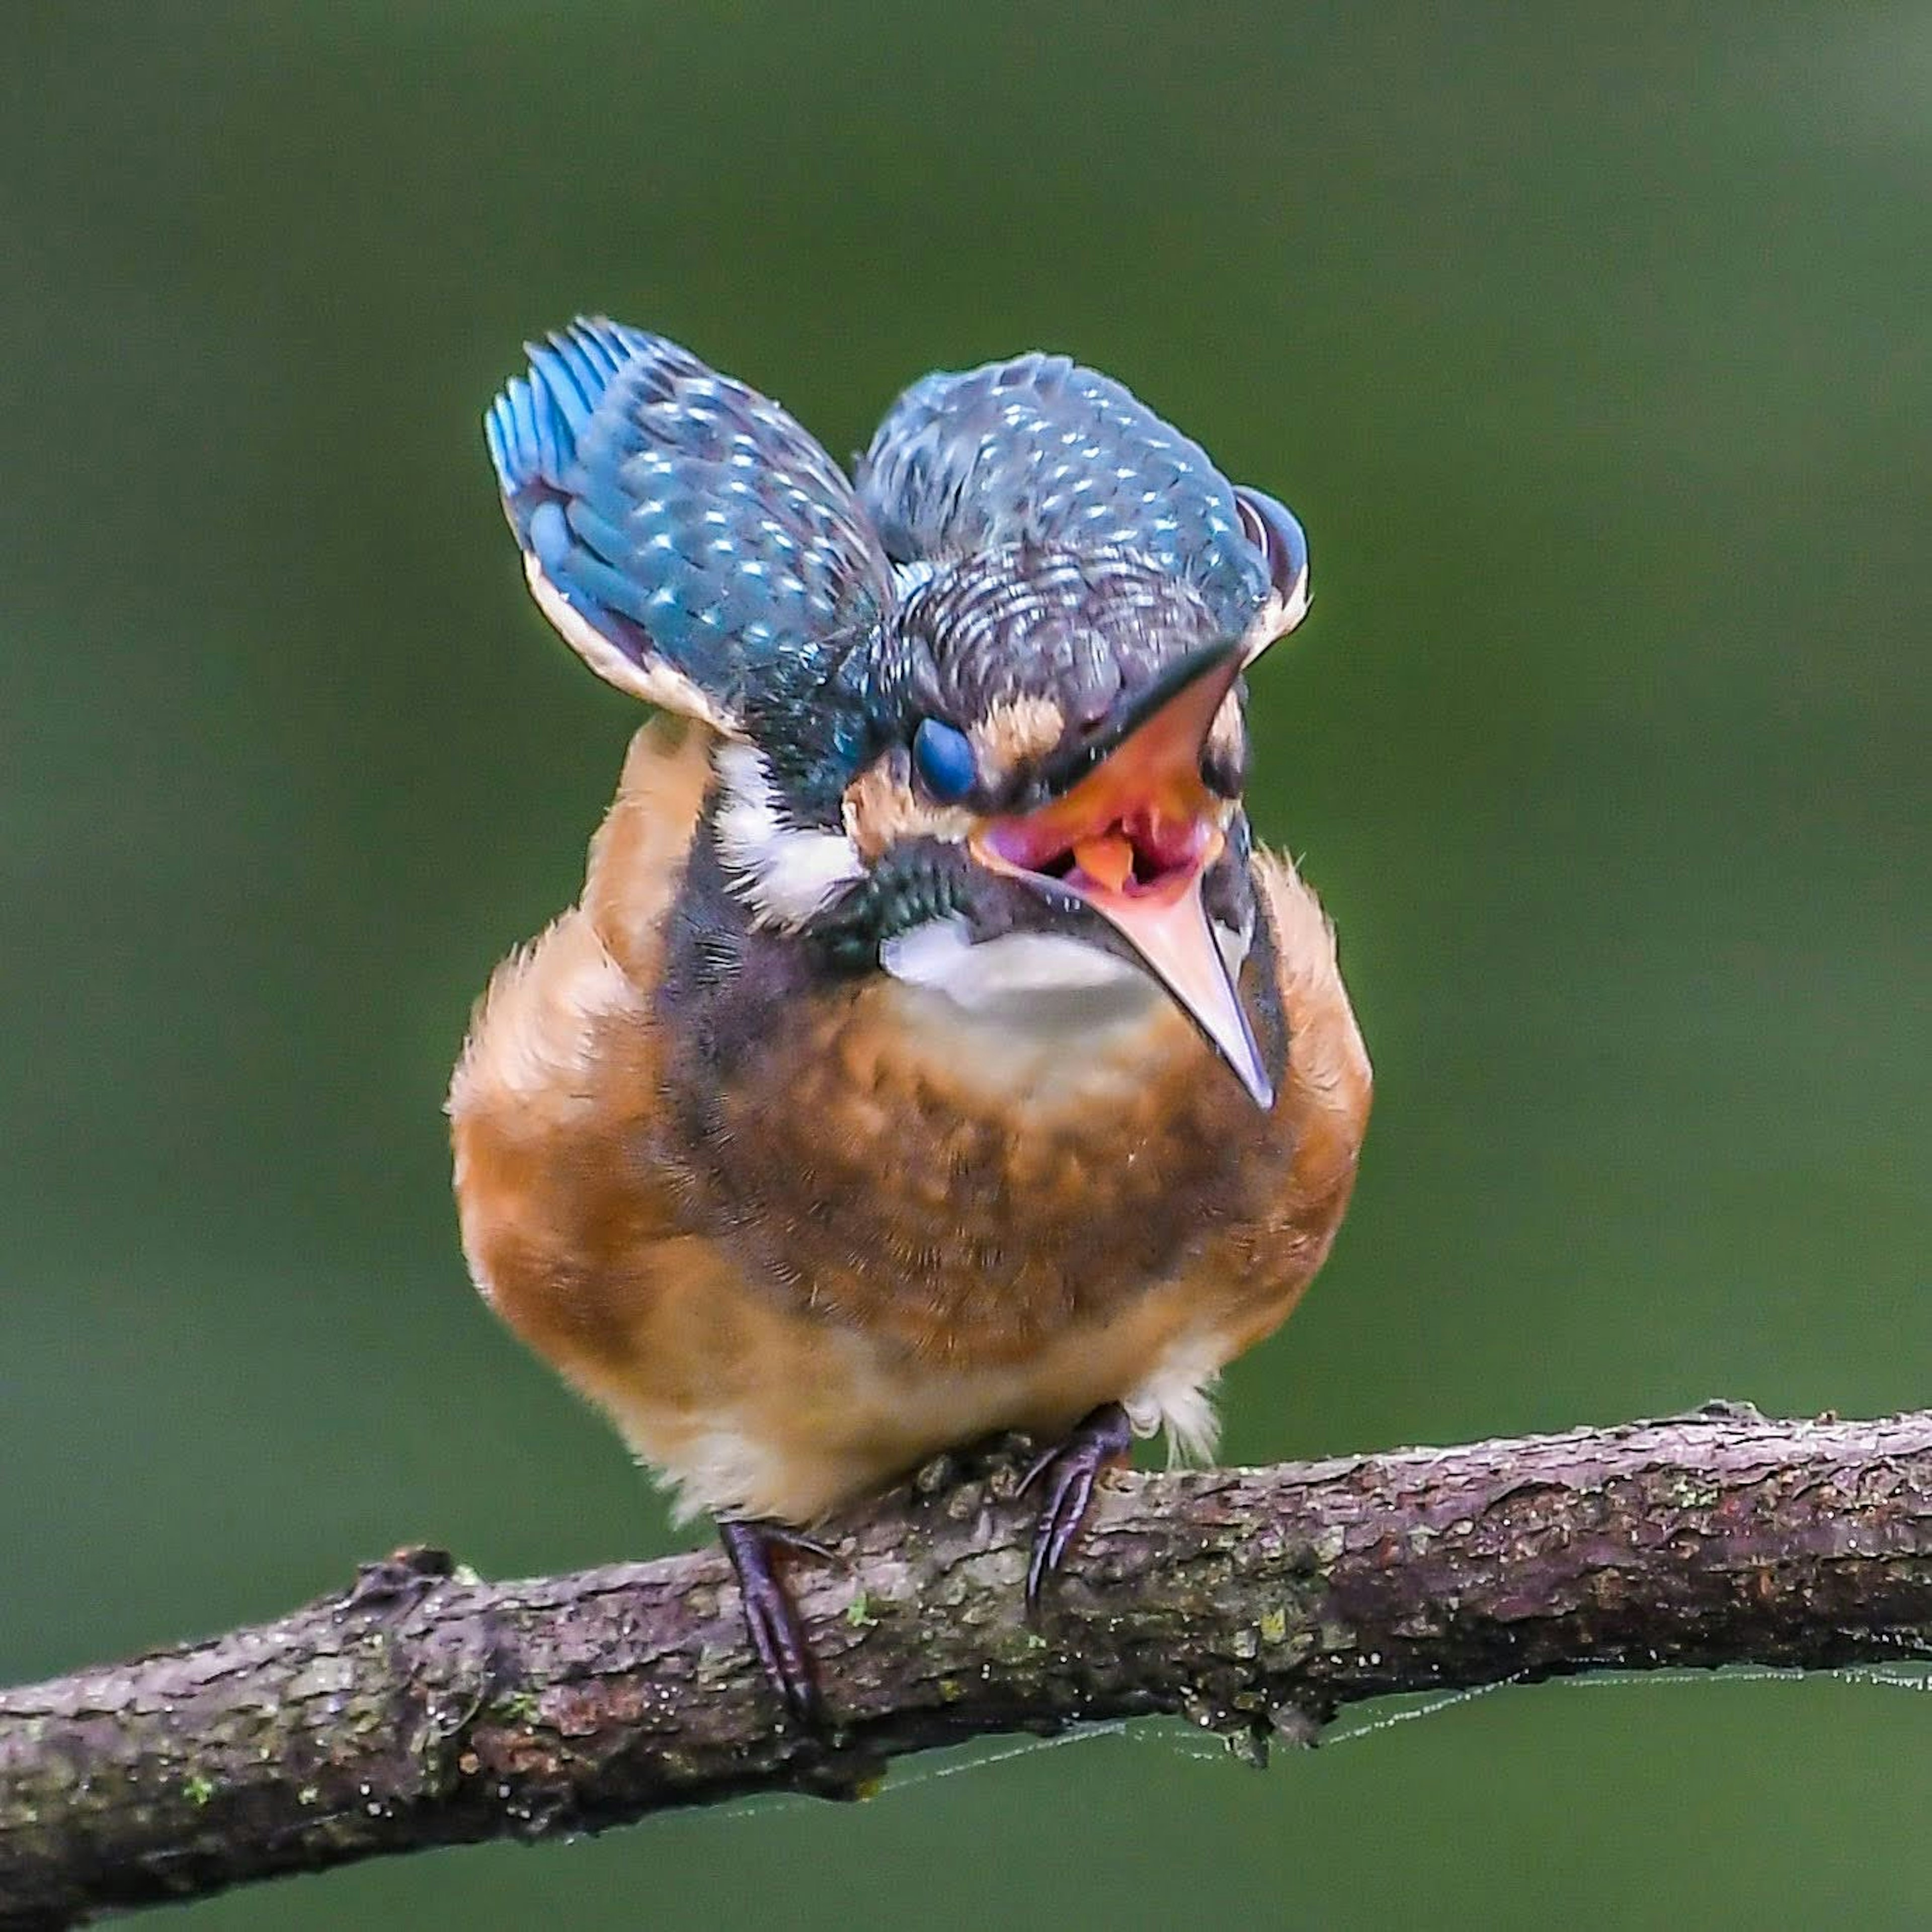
{"x": 1107, "y": 859}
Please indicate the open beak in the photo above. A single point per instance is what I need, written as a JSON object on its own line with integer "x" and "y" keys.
{"x": 1131, "y": 830}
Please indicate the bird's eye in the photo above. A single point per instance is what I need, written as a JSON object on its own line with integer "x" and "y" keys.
{"x": 944, "y": 756}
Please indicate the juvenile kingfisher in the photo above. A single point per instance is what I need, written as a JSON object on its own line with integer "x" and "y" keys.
{"x": 931, "y": 1052}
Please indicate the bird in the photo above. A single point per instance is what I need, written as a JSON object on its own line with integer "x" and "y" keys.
{"x": 931, "y": 1053}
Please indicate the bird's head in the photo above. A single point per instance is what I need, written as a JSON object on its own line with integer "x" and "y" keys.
{"x": 980, "y": 719}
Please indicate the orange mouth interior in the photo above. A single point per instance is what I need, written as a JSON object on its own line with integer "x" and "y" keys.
{"x": 1140, "y": 825}
{"x": 1133, "y": 837}
{"x": 1140, "y": 853}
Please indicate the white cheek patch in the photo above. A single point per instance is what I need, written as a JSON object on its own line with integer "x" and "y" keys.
{"x": 785, "y": 873}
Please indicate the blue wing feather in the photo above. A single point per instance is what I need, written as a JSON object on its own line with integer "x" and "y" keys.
{"x": 1040, "y": 450}
{"x": 688, "y": 520}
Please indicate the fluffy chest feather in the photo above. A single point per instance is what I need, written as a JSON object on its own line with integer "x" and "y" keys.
{"x": 964, "y": 1155}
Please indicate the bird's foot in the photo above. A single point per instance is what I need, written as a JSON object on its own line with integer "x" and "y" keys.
{"x": 1101, "y": 1439}
{"x": 771, "y": 1617}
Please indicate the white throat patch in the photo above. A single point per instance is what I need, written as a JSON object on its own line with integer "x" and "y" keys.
{"x": 1038, "y": 1017}
{"x": 1034, "y": 1016}
{"x": 1039, "y": 981}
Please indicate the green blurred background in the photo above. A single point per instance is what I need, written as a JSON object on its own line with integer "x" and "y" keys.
{"x": 1594, "y": 345}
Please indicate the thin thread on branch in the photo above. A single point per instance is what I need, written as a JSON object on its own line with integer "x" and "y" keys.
{"x": 425, "y": 1707}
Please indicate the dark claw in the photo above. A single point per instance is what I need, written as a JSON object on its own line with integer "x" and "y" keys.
{"x": 771, "y": 1618}
{"x": 1100, "y": 1439}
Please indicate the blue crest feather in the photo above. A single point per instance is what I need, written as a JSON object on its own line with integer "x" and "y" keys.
{"x": 1038, "y": 450}
{"x": 689, "y": 522}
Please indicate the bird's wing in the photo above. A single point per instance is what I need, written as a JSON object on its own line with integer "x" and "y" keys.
{"x": 1040, "y": 451}
{"x": 554, "y": 1099}
{"x": 678, "y": 529}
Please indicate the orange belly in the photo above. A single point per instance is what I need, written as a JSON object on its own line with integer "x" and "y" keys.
{"x": 745, "y": 1407}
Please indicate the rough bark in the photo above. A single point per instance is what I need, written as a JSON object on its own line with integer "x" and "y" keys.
{"x": 425, "y": 1707}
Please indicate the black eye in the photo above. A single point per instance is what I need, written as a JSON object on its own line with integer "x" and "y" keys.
{"x": 943, "y": 755}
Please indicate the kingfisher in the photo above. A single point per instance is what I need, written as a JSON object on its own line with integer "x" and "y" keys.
{"x": 932, "y": 1053}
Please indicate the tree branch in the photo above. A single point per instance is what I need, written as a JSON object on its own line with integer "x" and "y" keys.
{"x": 425, "y": 1707}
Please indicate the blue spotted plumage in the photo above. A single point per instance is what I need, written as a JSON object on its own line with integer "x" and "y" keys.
{"x": 689, "y": 521}
{"x": 1025, "y": 528}
{"x": 1039, "y": 451}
